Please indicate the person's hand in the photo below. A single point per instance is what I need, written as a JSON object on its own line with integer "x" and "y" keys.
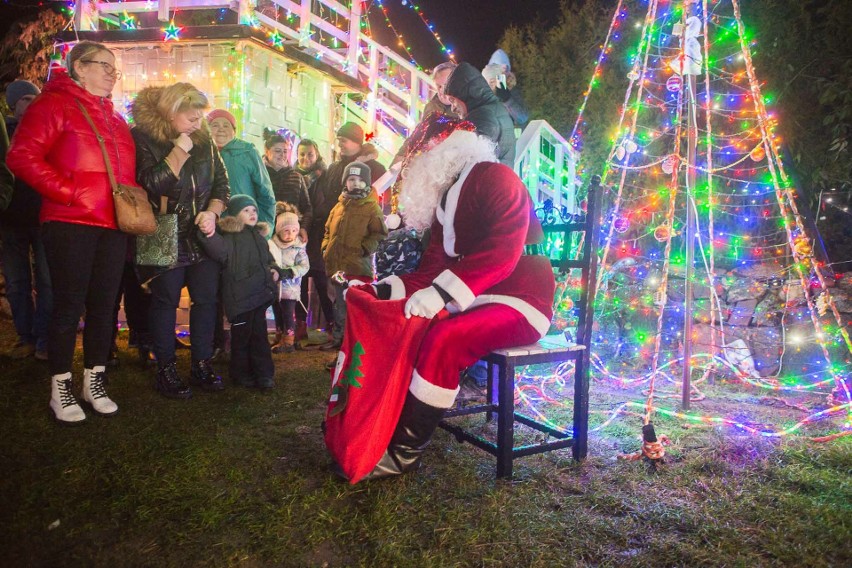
{"x": 425, "y": 303}
{"x": 303, "y": 234}
{"x": 286, "y": 272}
{"x": 355, "y": 283}
{"x": 274, "y": 274}
{"x": 502, "y": 93}
{"x": 206, "y": 221}
{"x": 184, "y": 142}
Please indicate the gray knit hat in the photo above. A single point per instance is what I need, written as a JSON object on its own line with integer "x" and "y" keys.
{"x": 359, "y": 169}
{"x": 16, "y": 90}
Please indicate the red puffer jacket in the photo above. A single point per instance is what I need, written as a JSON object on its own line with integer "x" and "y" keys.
{"x": 55, "y": 151}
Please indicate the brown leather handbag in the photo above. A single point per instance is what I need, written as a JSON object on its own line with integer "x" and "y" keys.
{"x": 133, "y": 212}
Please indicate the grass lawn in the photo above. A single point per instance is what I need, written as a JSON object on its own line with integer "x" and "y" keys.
{"x": 240, "y": 478}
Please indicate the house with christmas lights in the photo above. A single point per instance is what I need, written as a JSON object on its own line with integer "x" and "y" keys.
{"x": 306, "y": 65}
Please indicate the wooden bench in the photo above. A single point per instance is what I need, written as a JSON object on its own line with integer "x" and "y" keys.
{"x": 502, "y": 363}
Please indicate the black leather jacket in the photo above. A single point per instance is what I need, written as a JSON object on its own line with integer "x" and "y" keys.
{"x": 202, "y": 178}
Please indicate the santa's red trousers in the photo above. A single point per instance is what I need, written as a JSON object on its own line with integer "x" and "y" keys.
{"x": 453, "y": 344}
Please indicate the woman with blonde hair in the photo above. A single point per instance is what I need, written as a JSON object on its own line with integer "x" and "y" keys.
{"x": 56, "y": 150}
{"x": 176, "y": 158}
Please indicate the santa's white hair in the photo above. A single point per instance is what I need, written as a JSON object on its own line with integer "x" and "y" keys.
{"x": 430, "y": 174}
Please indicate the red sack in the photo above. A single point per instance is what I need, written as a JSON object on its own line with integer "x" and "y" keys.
{"x": 370, "y": 381}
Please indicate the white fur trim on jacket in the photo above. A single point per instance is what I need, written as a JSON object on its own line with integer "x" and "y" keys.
{"x": 455, "y": 287}
{"x": 433, "y": 395}
{"x": 447, "y": 216}
{"x": 397, "y": 286}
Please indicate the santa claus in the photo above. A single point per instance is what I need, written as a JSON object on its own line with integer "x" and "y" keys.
{"x": 495, "y": 296}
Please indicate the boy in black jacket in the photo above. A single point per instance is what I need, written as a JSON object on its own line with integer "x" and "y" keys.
{"x": 248, "y": 288}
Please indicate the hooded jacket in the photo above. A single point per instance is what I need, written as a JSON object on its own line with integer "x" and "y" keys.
{"x": 56, "y": 152}
{"x": 484, "y": 109}
{"x": 324, "y": 198}
{"x": 352, "y": 234}
{"x": 294, "y": 257}
{"x": 202, "y": 178}
{"x": 246, "y": 262}
{"x": 248, "y": 176}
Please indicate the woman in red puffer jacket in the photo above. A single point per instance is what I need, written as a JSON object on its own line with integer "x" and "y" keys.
{"x": 56, "y": 152}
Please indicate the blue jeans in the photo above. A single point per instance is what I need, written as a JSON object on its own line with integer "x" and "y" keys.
{"x": 202, "y": 280}
{"x": 20, "y": 268}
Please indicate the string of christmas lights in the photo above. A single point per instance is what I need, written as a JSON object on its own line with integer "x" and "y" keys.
{"x": 416, "y": 8}
{"x": 756, "y": 263}
{"x": 606, "y": 48}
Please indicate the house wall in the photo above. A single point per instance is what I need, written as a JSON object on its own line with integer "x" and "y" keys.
{"x": 251, "y": 82}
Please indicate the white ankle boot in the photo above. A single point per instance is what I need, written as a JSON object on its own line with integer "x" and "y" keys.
{"x": 94, "y": 391}
{"x": 62, "y": 401}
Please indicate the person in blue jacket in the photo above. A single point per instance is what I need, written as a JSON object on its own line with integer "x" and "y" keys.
{"x": 245, "y": 167}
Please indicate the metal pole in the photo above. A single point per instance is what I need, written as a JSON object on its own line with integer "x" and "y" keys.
{"x": 690, "y": 245}
{"x": 689, "y": 234}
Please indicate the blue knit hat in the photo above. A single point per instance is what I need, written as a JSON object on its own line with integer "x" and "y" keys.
{"x": 240, "y": 202}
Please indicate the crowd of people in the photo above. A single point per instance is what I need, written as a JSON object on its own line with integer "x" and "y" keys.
{"x": 253, "y": 230}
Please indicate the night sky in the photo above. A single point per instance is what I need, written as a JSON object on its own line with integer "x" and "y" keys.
{"x": 471, "y": 28}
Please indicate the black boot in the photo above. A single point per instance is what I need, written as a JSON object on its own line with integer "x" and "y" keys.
{"x": 169, "y": 383}
{"x": 203, "y": 376}
{"x": 413, "y": 434}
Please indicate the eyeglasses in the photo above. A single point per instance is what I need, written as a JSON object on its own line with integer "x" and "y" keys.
{"x": 108, "y": 68}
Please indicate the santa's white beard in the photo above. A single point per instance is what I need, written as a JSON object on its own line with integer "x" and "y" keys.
{"x": 430, "y": 174}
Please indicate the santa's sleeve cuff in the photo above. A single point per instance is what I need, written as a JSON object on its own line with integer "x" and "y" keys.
{"x": 397, "y": 287}
{"x": 455, "y": 287}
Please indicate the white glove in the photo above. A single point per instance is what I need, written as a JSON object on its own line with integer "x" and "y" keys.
{"x": 184, "y": 142}
{"x": 352, "y": 283}
{"x": 425, "y": 303}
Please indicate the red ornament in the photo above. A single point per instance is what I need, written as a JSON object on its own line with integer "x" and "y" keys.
{"x": 674, "y": 84}
{"x": 661, "y": 233}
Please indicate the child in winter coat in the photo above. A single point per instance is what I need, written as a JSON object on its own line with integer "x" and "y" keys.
{"x": 290, "y": 256}
{"x": 353, "y": 231}
{"x": 249, "y": 277}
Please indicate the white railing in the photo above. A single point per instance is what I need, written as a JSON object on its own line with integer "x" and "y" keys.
{"x": 547, "y": 164}
{"x": 397, "y": 88}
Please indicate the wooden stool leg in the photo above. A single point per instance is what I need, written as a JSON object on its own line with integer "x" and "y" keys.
{"x": 505, "y": 419}
{"x": 489, "y": 391}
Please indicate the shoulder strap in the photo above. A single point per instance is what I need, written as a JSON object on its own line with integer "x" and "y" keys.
{"x": 100, "y": 138}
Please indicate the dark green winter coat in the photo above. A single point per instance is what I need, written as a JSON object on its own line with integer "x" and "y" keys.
{"x": 246, "y": 263}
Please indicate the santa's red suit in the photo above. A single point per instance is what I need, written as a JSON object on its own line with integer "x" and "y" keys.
{"x": 481, "y": 218}
{"x": 500, "y": 298}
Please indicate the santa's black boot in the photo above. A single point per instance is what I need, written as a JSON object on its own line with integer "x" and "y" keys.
{"x": 412, "y": 436}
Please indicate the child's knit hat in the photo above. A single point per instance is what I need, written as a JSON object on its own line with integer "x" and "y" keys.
{"x": 359, "y": 169}
{"x": 286, "y": 219}
{"x": 240, "y": 202}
